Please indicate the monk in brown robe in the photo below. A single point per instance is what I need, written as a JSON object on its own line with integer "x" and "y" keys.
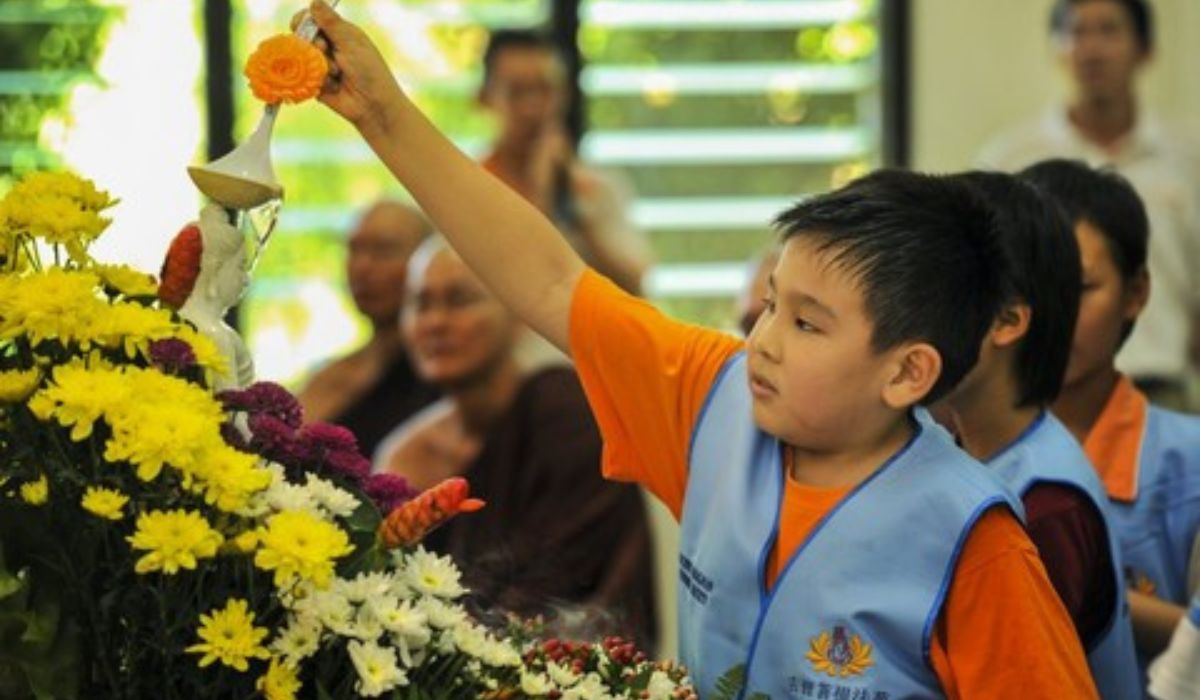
{"x": 555, "y": 538}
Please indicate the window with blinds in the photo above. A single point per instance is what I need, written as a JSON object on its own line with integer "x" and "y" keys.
{"x": 722, "y": 113}
{"x": 49, "y": 48}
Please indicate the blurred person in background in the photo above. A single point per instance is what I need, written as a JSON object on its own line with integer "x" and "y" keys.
{"x": 525, "y": 87}
{"x": 374, "y": 388}
{"x": 554, "y": 536}
{"x": 1104, "y": 46}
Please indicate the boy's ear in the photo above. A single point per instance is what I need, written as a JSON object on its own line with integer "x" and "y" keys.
{"x": 1011, "y": 325}
{"x": 916, "y": 369}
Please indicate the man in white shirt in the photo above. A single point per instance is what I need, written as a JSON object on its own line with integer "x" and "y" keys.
{"x": 1104, "y": 45}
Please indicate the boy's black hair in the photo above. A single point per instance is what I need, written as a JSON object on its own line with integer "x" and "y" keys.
{"x": 922, "y": 252}
{"x": 1140, "y": 13}
{"x": 1105, "y": 200}
{"x": 505, "y": 39}
{"x": 1040, "y": 267}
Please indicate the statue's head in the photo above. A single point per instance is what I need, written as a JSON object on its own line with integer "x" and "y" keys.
{"x": 206, "y": 263}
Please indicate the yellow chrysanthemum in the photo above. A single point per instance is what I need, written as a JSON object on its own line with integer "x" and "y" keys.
{"x": 129, "y": 327}
{"x": 166, "y": 421}
{"x": 105, "y": 503}
{"x": 36, "y": 493}
{"x": 279, "y": 682}
{"x": 174, "y": 539}
{"x": 243, "y": 543}
{"x": 54, "y": 304}
{"x": 79, "y": 394}
{"x": 16, "y": 385}
{"x": 59, "y": 208}
{"x": 228, "y": 635}
{"x": 127, "y": 281}
{"x": 296, "y": 544}
{"x": 228, "y": 478}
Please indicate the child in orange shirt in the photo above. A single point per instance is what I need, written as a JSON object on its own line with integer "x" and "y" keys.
{"x": 832, "y": 546}
{"x": 1000, "y": 416}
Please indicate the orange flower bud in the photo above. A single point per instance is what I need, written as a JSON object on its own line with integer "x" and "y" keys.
{"x": 409, "y": 522}
{"x": 286, "y": 68}
{"x": 181, "y": 267}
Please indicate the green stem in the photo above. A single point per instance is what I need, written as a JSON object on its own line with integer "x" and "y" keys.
{"x": 88, "y": 603}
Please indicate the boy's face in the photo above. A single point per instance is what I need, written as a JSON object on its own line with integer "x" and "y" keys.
{"x": 815, "y": 379}
{"x": 1105, "y": 306}
{"x": 1099, "y": 47}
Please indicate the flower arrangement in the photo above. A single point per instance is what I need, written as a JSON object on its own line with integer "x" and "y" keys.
{"x": 160, "y": 539}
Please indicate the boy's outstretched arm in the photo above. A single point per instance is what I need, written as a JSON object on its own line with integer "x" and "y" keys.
{"x": 515, "y": 250}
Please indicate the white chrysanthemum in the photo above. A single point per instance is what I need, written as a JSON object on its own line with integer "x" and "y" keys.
{"x": 660, "y": 686}
{"x": 592, "y": 687}
{"x": 337, "y": 501}
{"x": 433, "y": 575}
{"x": 298, "y": 641}
{"x": 499, "y": 653}
{"x": 257, "y": 505}
{"x": 470, "y": 640}
{"x": 329, "y": 607}
{"x": 562, "y": 674}
{"x": 365, "y": 586}
{"x": 535, "y": 684}
{"x": 284, "y": 496}
{"x": 376, "y": 668}
{"x": 441, "y": 614}
{"x": 366, "y": 626}
{"x": 408, "y": 625}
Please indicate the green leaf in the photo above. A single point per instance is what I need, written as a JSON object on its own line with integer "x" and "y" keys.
{"x": 323, "y": 694}
{"x": 11, "y": 582}
{"x": 365, "y": 518}
{"x": 730, "y": 685}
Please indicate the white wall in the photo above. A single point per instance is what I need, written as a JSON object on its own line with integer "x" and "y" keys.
{"x": 980, "y": 65}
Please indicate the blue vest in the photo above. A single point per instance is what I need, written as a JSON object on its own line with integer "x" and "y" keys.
{"x": 1047, "y": 453}
{"x": 853, "y": 610}
{"x": 1158, "y": 529}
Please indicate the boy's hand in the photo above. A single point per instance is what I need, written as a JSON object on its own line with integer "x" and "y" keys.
{"x": 360, "y": 87}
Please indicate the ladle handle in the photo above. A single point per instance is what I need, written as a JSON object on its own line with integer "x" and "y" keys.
{"x": 307, "y": 29}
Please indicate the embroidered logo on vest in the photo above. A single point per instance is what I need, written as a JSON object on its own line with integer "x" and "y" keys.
{"x": 1140, "y": 582}
{"x": 839, "y": 653}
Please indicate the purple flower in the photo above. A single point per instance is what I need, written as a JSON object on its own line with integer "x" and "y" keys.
{"x": 272, "y": 438}
{"x": 172, "y": 355}
{"x": 265, "y": 398}
{"x": 348, "y": 463}
{"x": 388, "y": 491}
{"x": 327, "y": 437}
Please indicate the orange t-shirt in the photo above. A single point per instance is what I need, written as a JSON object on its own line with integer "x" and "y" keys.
{"x": 1003, "y": 632}
{"x": 1114, "y": 444}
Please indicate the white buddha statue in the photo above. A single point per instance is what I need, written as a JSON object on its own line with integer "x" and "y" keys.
{"x": 220, "y": 283}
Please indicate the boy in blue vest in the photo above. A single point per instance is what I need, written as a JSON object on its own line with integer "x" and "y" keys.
{"x": 832, "y": 546}
{"x": 1000, "y": 417}
{"x": 1147, "y": 457}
